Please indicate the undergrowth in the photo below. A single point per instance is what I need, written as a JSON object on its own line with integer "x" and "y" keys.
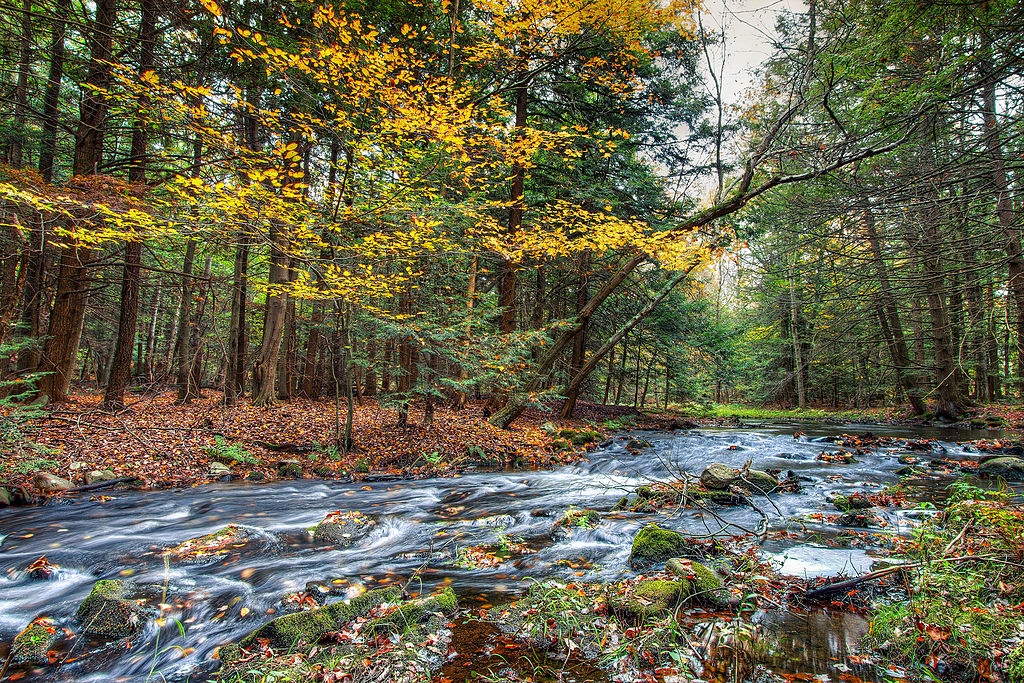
{"x": 965, "y": 591}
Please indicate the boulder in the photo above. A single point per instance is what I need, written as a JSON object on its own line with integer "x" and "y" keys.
{"x": 107, "y": 612}
{"x": 757, "y": 481}
{"x": 854, "y": 502}
{"x": 50, "y": 483}
{"x": 285, "y": 632}
{"x": 853, "y": 519}
{"x": 644, "y": 601}
{"x": 218, "y": 469}
{"x": 718, "y": 476}
{"x": 1008, "y": 467}
{"x": 342, "y": 528}
{"x": 653, "y": 545}
{"x": 32, "y": 644}
{"x": 701, "y": 584}
{"x": 5, "y": 497}
{"x": 585, "y": 437}
{"x": 96, "y": 476}
{"x": 638, "y": 444}
{"x": 289, "y": 469}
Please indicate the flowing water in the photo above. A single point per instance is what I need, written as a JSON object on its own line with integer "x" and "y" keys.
{"x": 218, "y": 602}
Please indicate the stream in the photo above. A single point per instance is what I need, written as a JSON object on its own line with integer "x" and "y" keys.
{"x": 220, "y": 601}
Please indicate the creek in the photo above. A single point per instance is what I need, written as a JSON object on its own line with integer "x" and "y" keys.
{"x": 220, "y": 601}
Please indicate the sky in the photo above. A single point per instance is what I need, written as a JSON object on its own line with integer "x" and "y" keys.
{"x": 749, "y": 34}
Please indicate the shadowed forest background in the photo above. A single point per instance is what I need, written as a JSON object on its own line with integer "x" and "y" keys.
{"x": 441, "y": 202}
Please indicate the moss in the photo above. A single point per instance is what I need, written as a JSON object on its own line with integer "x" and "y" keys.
{"x": 758, "y": 481}
{"x": 578, "y": 518}
{"x": 718, "y": 497}
{"x": 647, "y": 600}
{"x": 561, "y": 445}
{"x": 410, "y": 614}
{"x": 31, "y": 645}
{"x": 310, "y": 626}
{"x": 644, "y": 493}
{"x": 854, "y": 502}
{"x": 703, "y": 584}
{"x": 623, "y": 504}
{"x": 106, "y": 612}
{"x": 584, "y": 438}
{"x": 652, "y": 545}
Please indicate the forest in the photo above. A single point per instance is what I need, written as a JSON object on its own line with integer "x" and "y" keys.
{"x": 265, "y": 255}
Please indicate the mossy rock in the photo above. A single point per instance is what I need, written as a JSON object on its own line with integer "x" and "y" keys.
{"x": 289, "y": 469}
{"x": 343, "y": 528}
{"x": 410, "y": 615}
{"x": 310, "y": 626}
{"x": 638, "y": 444}
{"x": 644, "y": 493}
{"x": 573, "y": 519}
{"x": 653, "y": 545}
{"x": 725, "y": 498}
{"x": 32, "y": 645}
{"x": 854, "y": 502}
{"x": 585, "y": 437}
{"x": 107, "y": 612}
{"x": 717, "y": 476}
{"x": 561, "y": 445}
{"x": 623, "y": 504}
{"x": 1008, "y": 467}
{"x": 645, "y": 601}
{"x": 757, "y": 481}
{"x": 703, "y": 584}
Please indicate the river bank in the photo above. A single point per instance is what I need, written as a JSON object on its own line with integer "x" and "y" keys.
{"x": 212, "y": 564}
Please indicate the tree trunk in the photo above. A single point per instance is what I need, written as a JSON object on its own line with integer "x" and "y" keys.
{"x": 121, "y": 365}
{"x": 193, "y": 383}
{"x": 93, "y": 107}
{"x": 51, "y": 97}
{"x": 794, "y": 328}
{"x": 182, "y": 350}
{"x": 889, "y": 319}
{"x": 57, "y": 361}
{"x": 579, "y": 344}
{"x": 238, "y": 332}
{"x": 286, "y": 360}
{"x": 264, "y": 370}
{"x": 17, "y": 145}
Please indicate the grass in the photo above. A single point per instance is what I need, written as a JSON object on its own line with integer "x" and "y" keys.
{"x": 753, "y": 412}
{"x": 958, "y": 613}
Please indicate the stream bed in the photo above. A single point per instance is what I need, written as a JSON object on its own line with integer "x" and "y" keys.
{"x": 420, "y": 523}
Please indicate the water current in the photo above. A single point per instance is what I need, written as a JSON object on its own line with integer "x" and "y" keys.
{"x": 220, "y": 601}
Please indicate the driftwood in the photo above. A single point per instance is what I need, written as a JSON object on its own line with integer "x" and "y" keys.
{"x": 882, "y": 573}
{"x": 101, "y": 484}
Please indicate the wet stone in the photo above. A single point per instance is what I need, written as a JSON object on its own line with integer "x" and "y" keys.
{"x": 50, "y": 483}
{"x": 107, "y": 611}
{"x": 34, "y": 642}
{"x": 343, "y": 528}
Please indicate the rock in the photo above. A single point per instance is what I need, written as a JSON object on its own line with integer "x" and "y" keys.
{"x": 703, "y": 584}
{"x": 5, "y": 497}
{"x": 696, "y": 496}
{"x": 646, "y": 600}
{"x": 908, "y": 470}
{"x": 289, "y": 469}
{"x": 1011, "y": 468}
{"x": 495, "y": 521}
{"x": 50, "y": 483}
{"x": 854, "y": 502}
{"x": 585, "y": 437}
{"x": 409, "y": 615}
{"x": 576, "y": 519}
{"x": 550, "y": 428}
{"x": 623, "y": 504}
{"x": 255, "y": 475}
{"x": 32, "y": 644}
{"x": 218, "y": 469}
{"x": 718, "y": 476}
{"x": 287, "y": 631}
{"x": 644, "y": 493}
{"x": 106, "y": 612}
{"x": 638, "y": 444}
{"x": 211, "y": 546}
{"x": 853, "y": 519}
{"x": 561, "y": 445}
{"x": 757, "y": 481}
{"x": 653, "y": 545}
{"x": 342, "y": 528}
{"x": 95, "y": 476}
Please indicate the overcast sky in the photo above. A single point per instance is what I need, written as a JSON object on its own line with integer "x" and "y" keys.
{"x": 749, "y": 34}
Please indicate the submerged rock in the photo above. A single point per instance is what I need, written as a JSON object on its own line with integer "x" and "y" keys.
{"x": 638, "y": 444}
{"x": 107, "y": 611}
{"x": 32, "y": 644}
{"x": 211, "y": 546}
{"x": 1008, "y": 467}
{"x": 653, "y": 545}
{"x": 855, "y": 502}
{"x": 572, "y": 519}
{"x": 343, "y": 528}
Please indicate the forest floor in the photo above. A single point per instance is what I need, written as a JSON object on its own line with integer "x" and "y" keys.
{"x": 160, "y": 444}
{"x": 155, "y": 443}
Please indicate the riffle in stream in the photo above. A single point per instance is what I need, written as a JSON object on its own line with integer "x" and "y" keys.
{"x": 218, "y": 602}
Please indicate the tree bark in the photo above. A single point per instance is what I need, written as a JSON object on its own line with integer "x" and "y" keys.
{"x": 579, "y": 344}
{"x": 182, "y": 350}
{"x": 264, "y": 370}
{"x": 17, "y": 146}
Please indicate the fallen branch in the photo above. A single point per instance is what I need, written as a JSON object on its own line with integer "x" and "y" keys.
{"x": 882, "y": 573}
